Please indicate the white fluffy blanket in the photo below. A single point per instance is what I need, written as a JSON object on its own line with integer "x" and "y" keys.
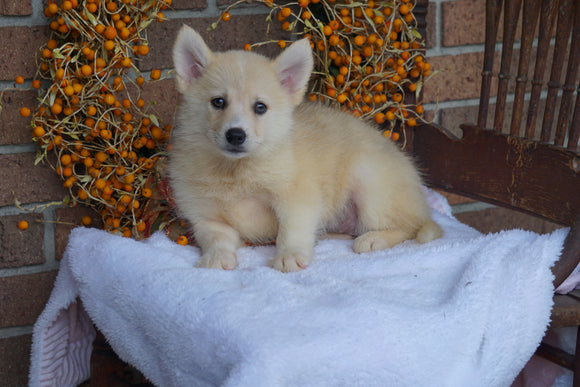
{"x": 466, "y": 310}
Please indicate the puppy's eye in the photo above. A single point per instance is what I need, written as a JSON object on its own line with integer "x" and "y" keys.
{"x": 218, "y": 103}
{"x": 260, "y": 108}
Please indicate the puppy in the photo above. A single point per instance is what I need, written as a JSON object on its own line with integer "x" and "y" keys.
{"x": 250, "y": 161}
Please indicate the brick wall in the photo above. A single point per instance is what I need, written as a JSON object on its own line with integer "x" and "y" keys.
{"x": 29, "y": 259}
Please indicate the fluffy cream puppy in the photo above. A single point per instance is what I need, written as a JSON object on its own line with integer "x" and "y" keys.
{"x": 251, "y": 162}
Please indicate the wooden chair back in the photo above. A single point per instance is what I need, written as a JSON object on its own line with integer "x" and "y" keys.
{"x": 514, "y": 156}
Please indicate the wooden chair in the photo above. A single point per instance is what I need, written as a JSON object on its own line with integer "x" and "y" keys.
{"x": 529, "y": 163}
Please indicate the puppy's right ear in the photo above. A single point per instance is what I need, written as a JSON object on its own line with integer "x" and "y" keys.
{"x": 190, "y": 57}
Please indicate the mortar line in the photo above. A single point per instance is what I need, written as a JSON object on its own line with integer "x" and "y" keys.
{"x": 10, "y": 332}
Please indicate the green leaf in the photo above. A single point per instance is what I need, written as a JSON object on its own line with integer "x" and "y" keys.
{"x": 154, "y": 119}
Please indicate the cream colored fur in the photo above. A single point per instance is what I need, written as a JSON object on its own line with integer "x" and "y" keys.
{"x": 303, "y": 169}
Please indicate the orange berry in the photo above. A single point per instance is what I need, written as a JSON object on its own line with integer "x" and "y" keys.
{"x": 420, "y": 109}
{"x": 36, "y": 84}
{"x": 82, "y": 194}
{"x": 379, "y": 118}
{"x": 86, "y": 220}
{"x": 111, "y": 6}
{"x": 226, "y": 16}
{"x": 101, "y": 156}
{"x": 38, "y": 131}
{"x": 334, "y": 24}
{"x": 141, "y": 226}
{"x": 19, "y": 80}
{"x": 182, "y": 240}
{"x": 69, "y": 91}
{"x": 395, "y": 136}
{"x": 23, "y": 225}
{"x": 285, "y": 12}
{"x": 359, "y": 40}
{"x": 143, "y": 49}
{"x": 86, "y": 70}
{"x": 129, "y": 179}
{"x": 109, "y": 45}
{"x": 52, "y": 9}
{"x": 110, "y": 32}
{"x": 100, "y": 183}
{"x": 248, "y": 47}
{"x": 24, "y": 112}
{"x": 147, "y": 192}
{"x": 65, "y": 159}
{"x": 333, "y": 40}
{"x": 155, "y": 74}
{"x": 404, "y": 9}
{"x": 109, "y": 99}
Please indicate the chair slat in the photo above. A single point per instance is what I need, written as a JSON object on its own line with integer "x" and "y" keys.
{"x": 562, "y": 36}
{"x": 570, "y": 82}
{"x": 575, "y": 127}
{"x": 530, "y": 21}
{"x": 492, "y": 13}
{"x": 511, "y": 13}
{"x": 547, "y": 23}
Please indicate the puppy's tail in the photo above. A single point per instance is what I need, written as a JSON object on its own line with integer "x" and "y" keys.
{"x": 429, "y": 231}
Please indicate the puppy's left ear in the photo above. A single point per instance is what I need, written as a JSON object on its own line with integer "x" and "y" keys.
{"x": 294, "y": 67}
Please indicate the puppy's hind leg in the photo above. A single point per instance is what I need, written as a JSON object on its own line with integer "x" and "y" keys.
{"x": 388, "y": 214}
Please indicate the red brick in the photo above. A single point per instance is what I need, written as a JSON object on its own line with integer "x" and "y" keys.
{"x": 451, "y": 118}
{"x": 497, "y": 219}
{"x": 69, "y": 218}
{"x": 463, "y": 22}
{"x": 15, "y": 360}
{"x": 189, "y": 4}
{"x": 23, "y": 297}
{"x": 27, "y": 182}
{"x": 15, "y": 129}
{"x": 458, "y": 77}
{"x": 430, "y": 34}
{"x": 15, "y": 8}
{"x": 21, "y": 248}
{"x": 19, "y": 45}
{"x": 232, "y": 35}
{"x": 162, "y": 96}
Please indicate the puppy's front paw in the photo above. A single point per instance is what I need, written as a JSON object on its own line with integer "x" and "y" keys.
{"x": 217, "y": 260}
{"x": 290, "y": 262}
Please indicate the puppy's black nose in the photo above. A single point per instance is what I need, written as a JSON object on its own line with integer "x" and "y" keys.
{"x": 236, "y": 136}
